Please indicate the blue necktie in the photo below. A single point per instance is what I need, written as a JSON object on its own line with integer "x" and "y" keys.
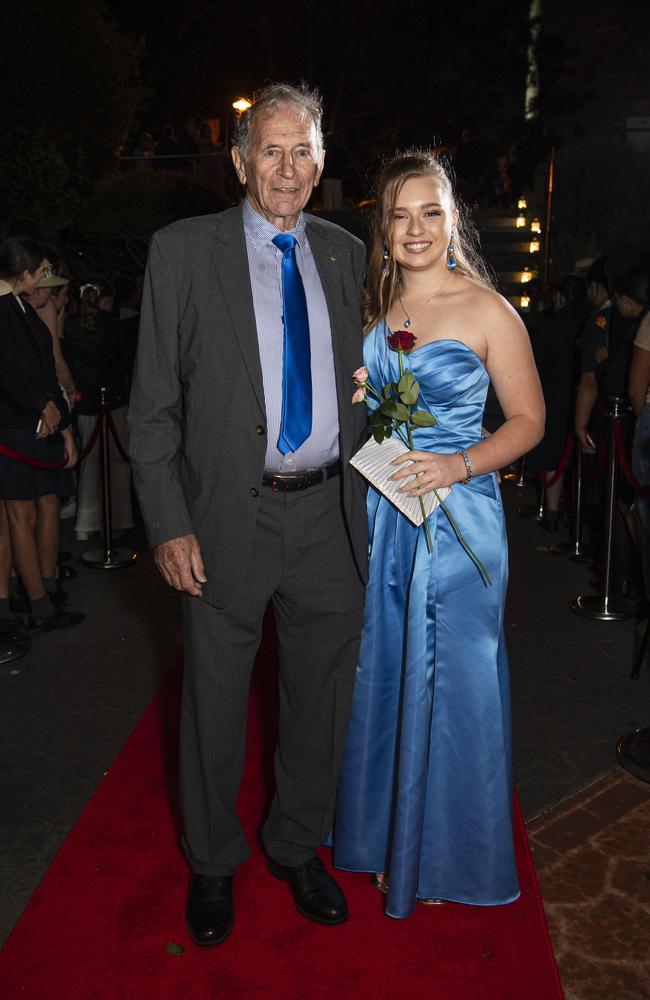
{"x": 295, "y": 426}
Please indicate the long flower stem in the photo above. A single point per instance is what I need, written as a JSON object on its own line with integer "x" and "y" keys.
{"x": 411, "y": 444}
{"x": 463, "y": 541}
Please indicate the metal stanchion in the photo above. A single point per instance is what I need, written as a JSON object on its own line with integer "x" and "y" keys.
{"x": 108, "y": 557}
{"x": 521, "y": 481}
{"x": 534, "y": 510}
{"x": 601, "y": 607}
{"x": 516, "y": 476}
{"x": 576, "y": 549}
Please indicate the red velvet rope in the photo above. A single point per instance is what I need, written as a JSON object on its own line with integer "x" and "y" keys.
{"x": 642, "y": 491}
{"x": 564, "y": 461}
{"x": 53, "y": 466}
{"x": 118, "y": 443}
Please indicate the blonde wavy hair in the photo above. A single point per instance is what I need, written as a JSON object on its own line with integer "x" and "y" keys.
{"x": 383, "y": 276}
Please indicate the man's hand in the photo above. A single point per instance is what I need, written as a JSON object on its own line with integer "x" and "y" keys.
{"x": 179, "y": 561}
{"x": 51, "y": 419}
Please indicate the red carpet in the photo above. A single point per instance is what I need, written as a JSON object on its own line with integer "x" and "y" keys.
{"x": 100, "y": 925}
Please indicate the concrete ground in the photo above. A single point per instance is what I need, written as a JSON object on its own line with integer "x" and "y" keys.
{"x": 68, "y": 706}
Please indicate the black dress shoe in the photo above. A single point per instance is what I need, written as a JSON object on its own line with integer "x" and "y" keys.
{"x": 11, "y": 627}
{"x": 314, "y": 891}
{"x": 58, "y": 619}
{"x": 209, "y": 914}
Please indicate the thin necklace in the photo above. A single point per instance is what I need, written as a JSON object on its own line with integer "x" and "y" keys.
{"x": 408, "y": 320}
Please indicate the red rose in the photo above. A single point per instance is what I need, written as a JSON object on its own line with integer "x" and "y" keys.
{"x": 401, "y": 340}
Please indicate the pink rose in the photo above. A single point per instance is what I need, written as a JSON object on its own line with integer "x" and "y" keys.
{"x": 360, "y": 395}
{"x": 360, "y": 377}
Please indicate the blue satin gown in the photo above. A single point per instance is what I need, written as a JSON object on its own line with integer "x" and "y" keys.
{"x": 426, "y": 789}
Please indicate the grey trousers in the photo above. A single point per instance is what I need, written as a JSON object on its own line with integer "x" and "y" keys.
{"x": 302, "y": 562}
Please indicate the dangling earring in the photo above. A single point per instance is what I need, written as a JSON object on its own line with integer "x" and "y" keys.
{"x": 385, "y": 271}
{"x": 451, "y": 250}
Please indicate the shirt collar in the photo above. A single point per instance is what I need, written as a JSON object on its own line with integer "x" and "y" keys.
{"x": 261, "y": 232}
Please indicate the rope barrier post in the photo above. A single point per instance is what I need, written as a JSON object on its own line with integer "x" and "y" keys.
{"x": 577, "y": 550}
{"x": 521, "y": 481}
{"x": 534, "y": 510}
{"x": 600, "y": 607}
{"x": 108, "y": 557}
{"x": 516, "y": 474}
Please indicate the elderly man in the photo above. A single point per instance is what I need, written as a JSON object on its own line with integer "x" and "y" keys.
{"x": 241, "y": 429}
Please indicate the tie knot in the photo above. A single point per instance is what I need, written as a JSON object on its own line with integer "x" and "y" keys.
{"x": 285, "y": 241}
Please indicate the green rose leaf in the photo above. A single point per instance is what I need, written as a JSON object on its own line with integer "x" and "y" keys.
{"x": 410, "y": 395}
{"x": 378, "y": 434}
{"x": 420, "y": 418}
{"x": 406, "y": 382}
{"x": 402, "y": 412}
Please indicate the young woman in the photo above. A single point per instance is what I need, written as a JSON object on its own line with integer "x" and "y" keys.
{"x": 35, "y": 422}
{"x": 425, "y": 798}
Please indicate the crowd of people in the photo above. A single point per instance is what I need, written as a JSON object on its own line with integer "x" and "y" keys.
{"x": 196, "y": 149}
{"x": 66, "y": 350}
{"x": 591, "y": 340}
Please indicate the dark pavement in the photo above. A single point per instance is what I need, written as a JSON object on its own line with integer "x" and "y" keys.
{"x": 68, "y": 706}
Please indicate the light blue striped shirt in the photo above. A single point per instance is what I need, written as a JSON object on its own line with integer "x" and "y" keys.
{"x": 265, "y": 266}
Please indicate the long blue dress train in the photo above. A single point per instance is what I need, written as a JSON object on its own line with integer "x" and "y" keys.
{"x": 425, "y": 793}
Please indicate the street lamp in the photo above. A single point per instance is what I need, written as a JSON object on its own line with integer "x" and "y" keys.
{"x": 242, "y": 104}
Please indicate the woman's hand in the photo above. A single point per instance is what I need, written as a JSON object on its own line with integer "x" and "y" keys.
{"x": 50, "y": 418}
{"x": 70, "y": 448}
{"x": 431, "y": 469}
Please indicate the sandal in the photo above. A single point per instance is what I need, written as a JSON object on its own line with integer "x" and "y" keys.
{"x": 379, "y": 881}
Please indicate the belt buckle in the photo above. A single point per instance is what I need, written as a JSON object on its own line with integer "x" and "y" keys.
{"x": 274, "y": 484}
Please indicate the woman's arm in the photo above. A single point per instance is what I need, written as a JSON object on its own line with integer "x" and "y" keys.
{"x": 639, "y": 378}
{"x": 509, "y": 361}
{"x": 50, "y": 317}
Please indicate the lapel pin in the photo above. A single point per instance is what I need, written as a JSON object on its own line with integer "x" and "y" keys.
{"x": 332, "y": 258}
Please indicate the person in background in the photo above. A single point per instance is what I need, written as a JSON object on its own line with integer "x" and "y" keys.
{"x": 639, "y": 392}
{"x": 35, "y": 422}
{"x": 49, "y": 299}
{"x": 95, "y": 348}
{"x": 554, "y": 339}
{"x": 606, "y": 355}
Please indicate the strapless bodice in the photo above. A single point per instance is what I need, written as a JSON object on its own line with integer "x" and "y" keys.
{"x": 453, "y": 387}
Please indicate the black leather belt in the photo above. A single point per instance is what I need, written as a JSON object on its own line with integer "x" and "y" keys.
{"x": 287, "y": 482}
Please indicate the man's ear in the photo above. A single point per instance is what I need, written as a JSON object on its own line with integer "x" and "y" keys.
{"x": 319, "y": 171}
{"x": 239, "y": 165}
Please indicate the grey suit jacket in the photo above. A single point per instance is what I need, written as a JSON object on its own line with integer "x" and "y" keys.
{"x": 196, "y": 414}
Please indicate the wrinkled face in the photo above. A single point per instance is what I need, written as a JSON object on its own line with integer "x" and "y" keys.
{"x": 282, "y": 167}
{"x": 421, "y": 223}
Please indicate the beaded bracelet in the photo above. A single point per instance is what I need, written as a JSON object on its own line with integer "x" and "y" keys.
{"x": 468, "y": 466}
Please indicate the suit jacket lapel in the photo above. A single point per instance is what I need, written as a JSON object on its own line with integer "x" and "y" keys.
{"x": 231, "y": 263}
